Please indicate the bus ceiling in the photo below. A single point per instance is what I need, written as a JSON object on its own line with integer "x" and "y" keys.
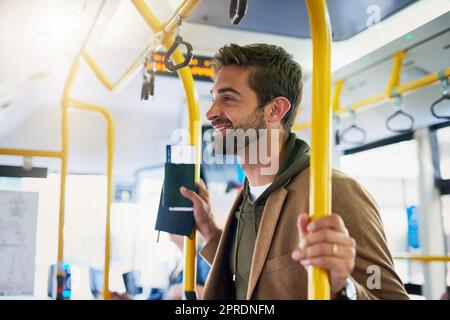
{"x": 347, "y": 17}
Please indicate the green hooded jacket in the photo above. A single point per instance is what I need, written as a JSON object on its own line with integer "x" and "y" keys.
{"x": 248, "y": 216}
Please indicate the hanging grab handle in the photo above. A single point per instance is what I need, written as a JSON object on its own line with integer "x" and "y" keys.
{"x": 237, "y": 10}
{"x": 445, "y": 96}
{"x": 399, "y": 113}
{"x": 353, "y": 127}
{"x": 168, "y": 60}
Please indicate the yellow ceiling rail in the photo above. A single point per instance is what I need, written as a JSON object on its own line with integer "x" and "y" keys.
{"x": 320, "y": 177}
{"x": 31, "y": 153}
{"x": 422, "y": 82}
{"x": 129, "y": 72}
{"x": 335, "y": 104}
{"x": 424, "y": 258}
{"x": 162, "y": 35}
{"x": 394, "y": 79}
{"x": 98, "y": 72}
{"x": 366, "y": 102}
{"x": 168, "y": 28}
{"x": 382, "y": 96}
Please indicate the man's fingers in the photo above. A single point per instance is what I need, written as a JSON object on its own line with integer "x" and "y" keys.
{"x": 333, "y": 221}
{"x": 327, "y": 250}
{"x": 302, "y": 223}
{"x": 202, "y": 190}
{"x": 334, "y": 264}
{"x": 297, "y": 255}
{"x": 327, "y": 236}
{"x": 191, "y": 195}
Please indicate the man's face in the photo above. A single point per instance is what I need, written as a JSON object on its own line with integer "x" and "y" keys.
{"x": 235, "y": 106}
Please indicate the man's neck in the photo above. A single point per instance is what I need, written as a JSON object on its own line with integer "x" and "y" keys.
{"x": 255, "y": 171}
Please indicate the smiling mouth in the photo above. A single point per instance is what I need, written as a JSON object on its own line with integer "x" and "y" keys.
{"x": 222, "y": 128}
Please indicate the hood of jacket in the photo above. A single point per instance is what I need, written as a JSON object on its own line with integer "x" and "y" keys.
{"x": 296, "y": 159}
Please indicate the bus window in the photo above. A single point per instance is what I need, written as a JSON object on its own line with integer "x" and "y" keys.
{"x": 443, "y": 157}
{"x": 443, "y": 138}
{"x": 445, "y": 201}
{"x": 390, "y": 174}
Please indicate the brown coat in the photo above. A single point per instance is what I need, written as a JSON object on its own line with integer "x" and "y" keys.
{"x": 274, "y": 275}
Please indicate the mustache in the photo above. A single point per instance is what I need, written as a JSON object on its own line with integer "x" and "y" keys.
{"x": 221, "y": 122}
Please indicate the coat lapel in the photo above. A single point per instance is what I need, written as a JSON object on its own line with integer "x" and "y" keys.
{"x": 269, "y": 220}
{"x": 215, "y": 278}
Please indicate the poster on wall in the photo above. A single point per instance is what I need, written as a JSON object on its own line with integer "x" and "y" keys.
{"x": 18, "y": 223}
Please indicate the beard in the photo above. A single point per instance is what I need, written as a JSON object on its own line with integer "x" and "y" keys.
{"x": 239, "y": 137}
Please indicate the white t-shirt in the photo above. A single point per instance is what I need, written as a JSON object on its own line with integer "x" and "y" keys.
{"x": 256, "y": 191}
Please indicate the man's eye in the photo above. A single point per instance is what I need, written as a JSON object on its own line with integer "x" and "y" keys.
{"x": 227, "y": 99}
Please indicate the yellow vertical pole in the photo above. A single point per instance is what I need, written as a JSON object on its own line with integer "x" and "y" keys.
{"x": 190, "y": 250}
{"x": 320, "y": 178}
{"x": 64, "y": 163}
{"x": 110, "y": 192}
{"x": 65, "y": 104}
{"x": 185, "y": 74}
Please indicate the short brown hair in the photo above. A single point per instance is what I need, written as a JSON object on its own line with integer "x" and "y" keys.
{"x": 274, "y": 74}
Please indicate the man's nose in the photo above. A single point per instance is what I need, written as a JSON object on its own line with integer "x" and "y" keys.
{"x": 213, "y": 112}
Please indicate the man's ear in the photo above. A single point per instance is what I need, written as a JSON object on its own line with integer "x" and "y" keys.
{"x": 277, "y": 109}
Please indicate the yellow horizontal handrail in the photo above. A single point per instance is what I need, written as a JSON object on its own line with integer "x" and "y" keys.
{"x": 167, "y": 29}
{"x": 400, "y": 89}
{"x": 421, "y": 82}
{"x": 127, "y": 75}
{"x": 424, "y": 258}
{"x": 31, "y": 153}
{"x": 365, "y": 102}
{"x": 90, "y": 107}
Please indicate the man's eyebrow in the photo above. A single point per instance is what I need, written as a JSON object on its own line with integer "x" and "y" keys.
{"x": 227, "y": 89}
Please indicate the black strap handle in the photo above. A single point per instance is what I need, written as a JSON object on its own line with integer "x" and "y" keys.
{"x": 433, "y": 110}
{"x": 445, "y": 96}
{"x": 354, "y": 127}
{"x": 395, "y": 115}
{"x": 168, "y": 61}
{"x": 237, "y": 10}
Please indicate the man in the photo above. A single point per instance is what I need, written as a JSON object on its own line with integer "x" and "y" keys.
{"x": 268, "y": 240}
